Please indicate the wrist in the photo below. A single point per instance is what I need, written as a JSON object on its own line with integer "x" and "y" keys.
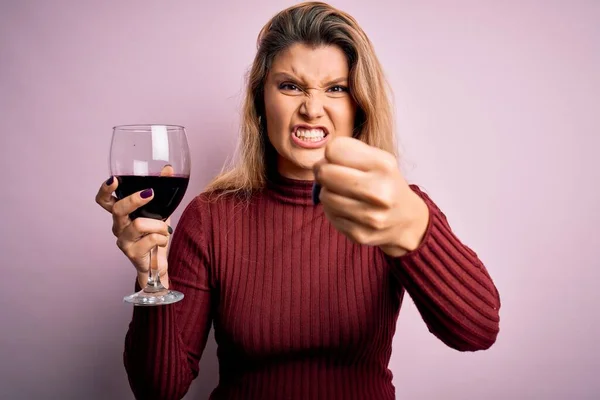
{"x": 419, "y": 224}
{"x": 410, "y": 235}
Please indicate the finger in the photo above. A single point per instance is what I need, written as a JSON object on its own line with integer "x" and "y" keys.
{"x": 129, "y": 204}
{"x": 104, "y": 196}
{"x": 144, "y": 226}
{"x": 140, "y": 249}
{"x": 167, "y": 170}
{"x": 357, "y": 232}
{"x": 354, "y": 231}
{"x": 124, "y": 207}
{"x": 354, "y": 153}
{"x": 359, "y": 212}
{"x": 162, "y": 259}
{"x": 350, "y": 182}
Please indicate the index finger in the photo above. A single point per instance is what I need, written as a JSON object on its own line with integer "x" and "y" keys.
{"x": 104, "y": 196}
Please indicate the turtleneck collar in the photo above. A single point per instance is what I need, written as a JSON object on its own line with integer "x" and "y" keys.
{"x": 287, "y": 190}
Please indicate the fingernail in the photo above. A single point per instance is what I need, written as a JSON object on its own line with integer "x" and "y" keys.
{"x": 110, "y": 181}
{"x": 316, "y": 190}
{"x": 146, "y": 193}
{"x": 169, "y": 229}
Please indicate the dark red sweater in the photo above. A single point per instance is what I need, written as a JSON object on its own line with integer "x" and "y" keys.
{"x": 299, "y": 311}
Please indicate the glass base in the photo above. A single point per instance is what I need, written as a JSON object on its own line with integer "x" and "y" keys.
{"x": 143, "y": 298}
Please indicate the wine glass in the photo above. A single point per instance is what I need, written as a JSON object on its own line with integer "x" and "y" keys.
{"x": 153, "y": 157}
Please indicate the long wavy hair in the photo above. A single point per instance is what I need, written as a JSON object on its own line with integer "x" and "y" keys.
{"x": 314, "y": 24}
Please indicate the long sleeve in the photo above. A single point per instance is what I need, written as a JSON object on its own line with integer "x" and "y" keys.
{"x": 450, "y": 286}
{"x": 164, "y": 344}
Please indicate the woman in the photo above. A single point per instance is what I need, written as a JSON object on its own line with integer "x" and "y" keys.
{"x": 303, "y": 297}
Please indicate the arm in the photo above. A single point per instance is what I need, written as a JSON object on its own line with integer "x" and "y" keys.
{"x": 449, "y": 285}
{"x": 365, "y": 197}
{"x": 164, "y": 344}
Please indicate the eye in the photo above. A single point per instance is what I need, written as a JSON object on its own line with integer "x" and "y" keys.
{"x": 338, "y": 89}
{"x": 288, "y": 86}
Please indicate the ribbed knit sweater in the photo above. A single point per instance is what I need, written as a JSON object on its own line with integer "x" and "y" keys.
{"x": 299, "y": 311}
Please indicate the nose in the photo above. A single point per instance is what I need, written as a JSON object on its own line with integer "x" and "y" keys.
{"x": 312, "y": 106}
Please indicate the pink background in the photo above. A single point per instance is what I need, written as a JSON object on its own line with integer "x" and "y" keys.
{"x": 498, "y": 113}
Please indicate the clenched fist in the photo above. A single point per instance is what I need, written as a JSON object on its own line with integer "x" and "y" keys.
{"x": 365, "y": 197}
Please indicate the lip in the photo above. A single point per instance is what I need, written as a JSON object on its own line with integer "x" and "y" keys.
{"x": 309, "y": 145}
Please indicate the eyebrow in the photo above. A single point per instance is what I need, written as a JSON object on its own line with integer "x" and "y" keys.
{"x": 285, "y": 75}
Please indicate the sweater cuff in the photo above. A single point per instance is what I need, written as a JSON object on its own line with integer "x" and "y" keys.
{"x": 429, "y": 230}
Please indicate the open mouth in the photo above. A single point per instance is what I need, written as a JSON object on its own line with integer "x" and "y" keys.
{"x": 310, "y": 134}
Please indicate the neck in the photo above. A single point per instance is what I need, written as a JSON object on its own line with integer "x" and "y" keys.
{"x": 290, "y": 189}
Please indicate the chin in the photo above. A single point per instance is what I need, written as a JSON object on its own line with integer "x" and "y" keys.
{"x": 301, "y": 166}
{"x": 307, "y": 161}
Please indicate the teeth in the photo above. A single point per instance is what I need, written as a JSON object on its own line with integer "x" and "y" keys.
{"x": 310, "y": 135}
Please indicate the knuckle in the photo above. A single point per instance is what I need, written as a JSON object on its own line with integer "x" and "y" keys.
{"x": 116, "y": 230}
{"x": 155, "y": 238}
{"x": 388, "y": 163}
{"x": 382, "y": 221}
{"x": 127, "y": 250}
{"x": 118, "y": 209}
{"x": 132, "y": 252}
{"x": 162, "y": 240}
{"x": 359, "y": 236}
{"x": 375, "y": 220}
{"x": 364, "y": 238}
{"x": 123, "y": 246}
{"x": 137, "y": 225}
{"x": 385, "y": 196}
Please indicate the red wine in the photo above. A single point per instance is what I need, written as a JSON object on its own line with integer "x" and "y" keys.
{"x": 168, "y": 193}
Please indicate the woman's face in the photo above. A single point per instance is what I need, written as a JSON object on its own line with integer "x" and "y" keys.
{"x": 307, "y": 103}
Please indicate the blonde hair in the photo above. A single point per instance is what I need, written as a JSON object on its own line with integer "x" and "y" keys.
{"x": 314, "y": 24}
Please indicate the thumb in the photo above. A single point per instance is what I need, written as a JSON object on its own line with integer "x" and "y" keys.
{"x": 167, "y": 170}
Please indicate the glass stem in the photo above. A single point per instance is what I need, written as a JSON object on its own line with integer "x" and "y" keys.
{"x": 153, "y": 284}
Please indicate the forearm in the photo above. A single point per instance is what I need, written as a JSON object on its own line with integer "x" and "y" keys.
{"x": 450, "y": 286}
{"x": 164, "y": 344}
{"x": 155, "y": 358}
